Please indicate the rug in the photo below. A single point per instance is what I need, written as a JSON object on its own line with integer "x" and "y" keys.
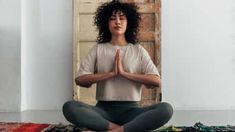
{"x": 21, "y": 127}
{"x": 34, "y": 127}
{"x": 198, "y": 127}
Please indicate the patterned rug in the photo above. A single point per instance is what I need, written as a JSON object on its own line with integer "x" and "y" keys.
{"x": 33, "y": 127}
{"x": 21, "y": 127}
{"x": 198, "y": 127}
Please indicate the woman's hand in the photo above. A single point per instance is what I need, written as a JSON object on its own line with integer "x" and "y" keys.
{"x": 150, "y": 80}
{"x": 115, "y": 66}
{"x": 119, "y": 63}
{"x": 118, "y": 66}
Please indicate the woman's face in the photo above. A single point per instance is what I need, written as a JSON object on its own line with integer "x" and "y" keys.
{"x": 118, "y": 23}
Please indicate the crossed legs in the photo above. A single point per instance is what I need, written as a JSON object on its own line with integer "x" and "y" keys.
{"x": 97, "y": 119}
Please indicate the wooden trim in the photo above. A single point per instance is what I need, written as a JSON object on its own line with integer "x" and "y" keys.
{"x": 76, "y": 57}
{"x": 91, "y": 8}
{"x": 157, "y": 57}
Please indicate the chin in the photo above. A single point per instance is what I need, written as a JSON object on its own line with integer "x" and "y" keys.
{"x": 118, "y": 33}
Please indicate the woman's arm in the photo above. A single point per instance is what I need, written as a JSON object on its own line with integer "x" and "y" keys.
{"x": 89, "y": 79}
{"x": 148, "y": 80}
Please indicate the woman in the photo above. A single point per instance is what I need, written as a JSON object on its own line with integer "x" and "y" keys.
{"x": 119, "y": 66}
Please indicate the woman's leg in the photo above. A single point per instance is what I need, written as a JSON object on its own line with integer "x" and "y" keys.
{"x": 148, "y": 118}
{"x": 87, "y": 116}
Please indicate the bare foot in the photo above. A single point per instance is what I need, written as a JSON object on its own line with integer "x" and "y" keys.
{"x": 113, "y": 126}
{"x": 119, "y": 129}
{"x": 88, "y": 131}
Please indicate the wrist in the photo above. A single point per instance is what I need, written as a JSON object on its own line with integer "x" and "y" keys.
{"x": 124, "y": 74}
{"x": 112, "y": 74}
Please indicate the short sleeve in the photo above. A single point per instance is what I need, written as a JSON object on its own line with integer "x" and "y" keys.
{"x": 147, "y": 65}
{"x": 87, "y": 65}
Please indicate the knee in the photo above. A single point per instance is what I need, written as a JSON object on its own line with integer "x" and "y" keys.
{"x": 72, "y": 106}
{"x": 167, "y": 110}
{"x": 69, "y": 107}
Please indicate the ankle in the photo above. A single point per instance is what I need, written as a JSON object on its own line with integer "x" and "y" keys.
{"x": 119, "y": 129}
{"x": 113, "y": 126}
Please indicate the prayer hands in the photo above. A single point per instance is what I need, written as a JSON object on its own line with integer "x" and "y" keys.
{"x": 118, "y": 66}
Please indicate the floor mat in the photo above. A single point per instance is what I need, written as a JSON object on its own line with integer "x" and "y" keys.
{"x": 198, "y": 127}
{"x": 22, "y": 127}
{"x": 34, "y": 127}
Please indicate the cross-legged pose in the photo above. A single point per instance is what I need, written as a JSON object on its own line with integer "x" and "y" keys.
{"x": 119, "y": 65}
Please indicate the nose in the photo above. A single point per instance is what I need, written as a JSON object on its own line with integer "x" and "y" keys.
{"x": 118, "y": 22}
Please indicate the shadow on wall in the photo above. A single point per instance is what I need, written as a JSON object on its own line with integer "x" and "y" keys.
{"x": 10, "y": 69}
{"x": 9, "y": 43}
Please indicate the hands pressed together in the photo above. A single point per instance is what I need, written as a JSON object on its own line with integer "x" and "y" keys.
{"x": 118, "y": 65}
{"x": 149, "y": 80}
{"x": 118, "y": 69}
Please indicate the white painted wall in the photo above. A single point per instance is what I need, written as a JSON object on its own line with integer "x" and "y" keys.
{"x": 10, "y": 55}
{"x": 198, "y": 53}
{"x": 35, "y": 54}
{"x": 46, "y": 53}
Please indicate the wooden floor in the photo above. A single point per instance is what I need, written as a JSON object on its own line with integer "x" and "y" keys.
{"x": 180, "y": 117}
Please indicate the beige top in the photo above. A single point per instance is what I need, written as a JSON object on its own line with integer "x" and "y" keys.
{"x": 100, "y": 59}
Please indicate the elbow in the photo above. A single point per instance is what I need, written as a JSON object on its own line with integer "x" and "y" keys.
{"x": 79, "y": 82}
{"x": 155, "y": 83}
{"x": 152, "y": 86}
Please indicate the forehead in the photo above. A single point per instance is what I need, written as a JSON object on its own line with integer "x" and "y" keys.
{"x": 118, "y": 12}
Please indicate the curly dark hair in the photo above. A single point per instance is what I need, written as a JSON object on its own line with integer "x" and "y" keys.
{"x": 104, "y": 12}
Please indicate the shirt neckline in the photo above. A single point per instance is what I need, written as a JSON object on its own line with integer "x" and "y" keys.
{"x": 118, "y": 46}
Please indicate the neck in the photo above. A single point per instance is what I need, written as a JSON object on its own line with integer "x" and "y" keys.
{"x": 118, "y": 40}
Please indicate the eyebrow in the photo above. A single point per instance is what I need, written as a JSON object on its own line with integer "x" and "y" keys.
{"x": 117, "y": 12}
{"x": 121, "y": 14}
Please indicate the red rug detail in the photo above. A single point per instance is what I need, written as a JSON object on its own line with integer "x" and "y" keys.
{"x": 22, "y": 127}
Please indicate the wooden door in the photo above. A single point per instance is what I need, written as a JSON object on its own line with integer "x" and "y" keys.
{"x": 85, "y": 36}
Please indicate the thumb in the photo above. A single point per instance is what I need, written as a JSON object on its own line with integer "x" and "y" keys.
{"x": 117, "y": 54}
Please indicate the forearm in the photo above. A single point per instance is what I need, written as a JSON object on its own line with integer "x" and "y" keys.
{"x": 149, "y": 80}
{"x": 88, "y": 80}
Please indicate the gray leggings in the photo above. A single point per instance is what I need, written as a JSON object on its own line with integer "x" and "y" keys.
{"x": 127, "y": 113}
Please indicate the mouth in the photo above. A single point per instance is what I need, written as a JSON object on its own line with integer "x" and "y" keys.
{"x": 117, "y": 27}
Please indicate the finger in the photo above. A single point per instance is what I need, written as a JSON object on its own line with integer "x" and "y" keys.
{"x": 117, "y": 54}
{"x": 118, "y": 51}
{"x": 116, "y": 61}
{"x": 116, "y": 66}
